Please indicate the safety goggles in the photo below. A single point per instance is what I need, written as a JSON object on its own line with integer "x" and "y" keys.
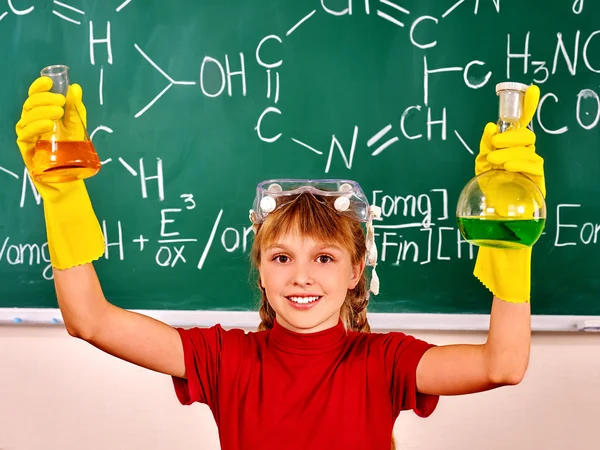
{"x": 348, "y": 199}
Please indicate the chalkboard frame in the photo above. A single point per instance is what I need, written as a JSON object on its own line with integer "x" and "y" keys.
{"x": 378, "y": 321}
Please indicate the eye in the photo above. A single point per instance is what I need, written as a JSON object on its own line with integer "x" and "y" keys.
{"x": 324, "y": 259}
{"x": 282, "y": 259}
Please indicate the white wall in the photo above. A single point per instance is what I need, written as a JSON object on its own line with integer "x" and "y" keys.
{"x": 59, "y": 393}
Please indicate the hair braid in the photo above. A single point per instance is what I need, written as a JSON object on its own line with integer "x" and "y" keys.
{"x": 266, "y": 312}
{"x": 354, "y": 309}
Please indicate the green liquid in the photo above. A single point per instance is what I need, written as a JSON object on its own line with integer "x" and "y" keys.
{"x": 509, "y": 233}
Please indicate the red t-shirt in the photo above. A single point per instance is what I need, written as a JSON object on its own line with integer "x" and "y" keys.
{"x": 278, "y": 389}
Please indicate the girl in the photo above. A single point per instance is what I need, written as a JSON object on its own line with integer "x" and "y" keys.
{"x": 313, "y": 376}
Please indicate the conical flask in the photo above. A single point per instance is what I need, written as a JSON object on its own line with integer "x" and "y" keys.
{"x": 498, "y": 208}
{"x": 66, "y": 153}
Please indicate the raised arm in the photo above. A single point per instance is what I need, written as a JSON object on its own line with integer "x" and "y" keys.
{"x": 503, "y": 359}
{"x": 75, "y": 240}
{"x": 465, "y": 369}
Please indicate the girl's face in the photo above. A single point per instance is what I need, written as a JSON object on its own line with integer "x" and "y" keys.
{"x": 306, "y": 281}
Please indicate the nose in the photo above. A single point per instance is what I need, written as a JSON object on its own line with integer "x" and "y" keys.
{"x": 302, "y": 276}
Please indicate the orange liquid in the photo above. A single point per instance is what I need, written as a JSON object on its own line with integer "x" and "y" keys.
{"x": 60, "y": 161}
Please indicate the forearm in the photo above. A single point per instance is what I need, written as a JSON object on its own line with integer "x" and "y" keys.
{"x": 80, "y": 299}
{"x": 507, "y": 348}
{"x": 465, "y": 369}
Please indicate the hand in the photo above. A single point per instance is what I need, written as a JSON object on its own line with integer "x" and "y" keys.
{"x": 40, "y": 112}
{"x": 507, "y": 273}
{"x": 514, "y": 150}
{"x": 74, "y": 233}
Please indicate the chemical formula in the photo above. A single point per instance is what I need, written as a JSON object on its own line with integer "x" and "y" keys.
{"x": 416, "y": 227}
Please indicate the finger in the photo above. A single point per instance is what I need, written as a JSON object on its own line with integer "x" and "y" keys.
{"x": 485, "y": 147}
{"x": 481, "y": 164}
{"x": 499, "y": 157}
{"x": 530, "y": 104}
{"x": 75, "y": 93}
{"x": 528, "y": 167}
{"x": 41, "y": 84}
{"x": 35, "y": 129}
{"x": 44, "y": 99}
{"x": 486, "y": 139}
{"x": 74, "y": 104}
{"x": 514, "y": 138}
{"x": 485, "y": 144}
{"x": 40, "y": 113}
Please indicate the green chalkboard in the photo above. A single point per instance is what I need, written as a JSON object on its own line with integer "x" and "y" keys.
{"x": 214, "y": 96}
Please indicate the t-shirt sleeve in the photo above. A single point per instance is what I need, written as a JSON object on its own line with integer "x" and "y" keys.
{"x": 402, "y": 354}
{"x": 202, "y": 350}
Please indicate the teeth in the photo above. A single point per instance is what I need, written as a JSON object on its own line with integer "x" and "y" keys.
{"x": 304, "y": 299}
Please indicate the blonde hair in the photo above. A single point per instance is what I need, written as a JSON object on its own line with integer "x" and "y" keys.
{"x": 315, "y": 216}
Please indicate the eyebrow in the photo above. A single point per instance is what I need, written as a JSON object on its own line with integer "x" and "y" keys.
{"x": 278, "y": 246}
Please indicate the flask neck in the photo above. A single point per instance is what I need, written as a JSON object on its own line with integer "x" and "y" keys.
{"x": 60, "y": 78}
{"x": 510, "y": 109}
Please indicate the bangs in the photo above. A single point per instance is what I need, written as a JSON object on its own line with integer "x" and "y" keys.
{"x": 312, "y": 216}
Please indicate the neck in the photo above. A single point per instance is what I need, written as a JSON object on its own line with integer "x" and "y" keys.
{"x": 326, "y": 324}
{"x": 307, "y": 342}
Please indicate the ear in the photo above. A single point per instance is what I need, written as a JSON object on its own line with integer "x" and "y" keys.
{"x": 357, "y": 272}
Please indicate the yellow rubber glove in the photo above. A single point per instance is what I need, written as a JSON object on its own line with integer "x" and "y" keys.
{"x": 507, "y": 273}
{"x": 74, "y": 234}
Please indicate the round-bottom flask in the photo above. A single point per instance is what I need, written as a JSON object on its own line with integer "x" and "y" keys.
{"x": 502, "y": 209}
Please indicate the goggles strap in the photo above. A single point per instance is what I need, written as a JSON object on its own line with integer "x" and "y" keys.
{"x": 374, "y": 213}
{"x": 374, "y": 285}
{"x": 253, "y": 221}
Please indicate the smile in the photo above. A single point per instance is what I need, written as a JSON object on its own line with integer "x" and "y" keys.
{"x": 304, "y": 300}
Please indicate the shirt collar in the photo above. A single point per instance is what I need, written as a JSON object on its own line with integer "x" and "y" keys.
{"x": 318, "y": 342}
